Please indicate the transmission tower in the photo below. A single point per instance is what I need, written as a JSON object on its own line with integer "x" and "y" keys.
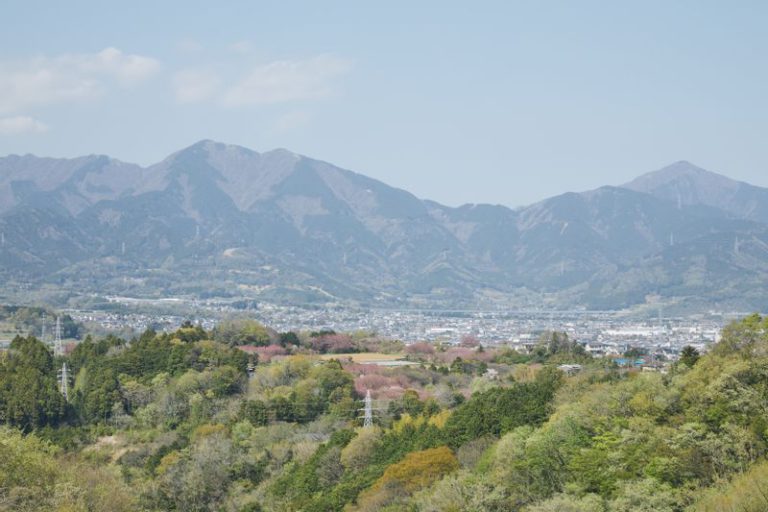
{"x": 42, "y": 329}
{"x": 368, "y": 410}
{"x": 64, "y": 381}
{"x": 58, "y": 347}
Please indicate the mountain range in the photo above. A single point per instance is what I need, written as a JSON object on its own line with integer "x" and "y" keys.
{"x": 217, "y": 220}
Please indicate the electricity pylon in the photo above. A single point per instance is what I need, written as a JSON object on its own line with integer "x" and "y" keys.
{"x": 64, "y": 381}
{"x": 368, "y": 410}
{"x": 58, "y": 347}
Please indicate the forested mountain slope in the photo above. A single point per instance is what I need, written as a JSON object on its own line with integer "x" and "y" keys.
{"x": 213, "y": 218}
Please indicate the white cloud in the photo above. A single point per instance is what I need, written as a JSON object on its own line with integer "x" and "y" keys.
{"x": 128, "y": 69}
{"x": 286, "y": 80}
{"x": 21, "y": 124}
{"x": 192, "y": 85}
{"x": 69, "y": 77}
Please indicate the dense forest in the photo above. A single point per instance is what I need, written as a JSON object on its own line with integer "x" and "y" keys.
{"x": 243, "y": 418}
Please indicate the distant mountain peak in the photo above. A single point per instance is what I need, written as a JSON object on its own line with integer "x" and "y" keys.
{"x": 681, "y": 167}
{"x": 684, "y": 164}
{"x": 686, "y": 184}
{"x": 683, "y": 176}
{"x": 211, "y": 148}
{"x": 686, "y": 168}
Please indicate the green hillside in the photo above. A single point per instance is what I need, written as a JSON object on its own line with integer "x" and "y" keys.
{"x": 194, "y": 421}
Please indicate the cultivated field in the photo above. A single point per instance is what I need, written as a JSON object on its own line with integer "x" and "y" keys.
{"x": 364, "y": 357}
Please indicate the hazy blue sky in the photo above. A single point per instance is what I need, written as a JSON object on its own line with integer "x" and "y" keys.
{"x": 504, "y": 102}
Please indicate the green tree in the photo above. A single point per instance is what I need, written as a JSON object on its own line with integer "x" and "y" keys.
{"x": 689, "y": 356}
{"x": 29, "y": 394}
{"x": 27, "y": 471}
{"x": 197, "y": 480}
{"x": 241, "y": 331}
{"x": 190, "y": 333}
{"x": 500, "y": 410}
{"x": 289, "y": 338}
{"x": 96, "y": 392}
